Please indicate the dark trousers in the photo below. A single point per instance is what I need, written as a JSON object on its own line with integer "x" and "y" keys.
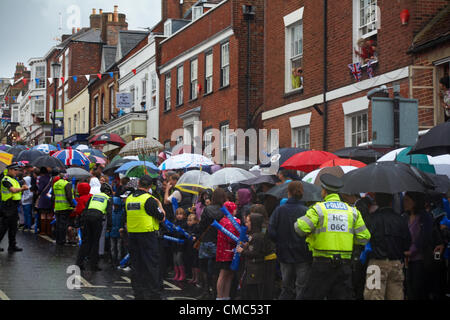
{"x": 90, "y": 234}
{"x": 62, "y": 219}
{"x": 416, "y": 280}
{"x": 329, "y": 280}
{"x": 9, "y": 223}
{"x": 117, "y": 250}
{"x": 144, "y": 259}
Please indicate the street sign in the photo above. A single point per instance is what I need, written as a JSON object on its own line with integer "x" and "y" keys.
{"x": 383, "y": 124}
{"x": 123, "y": 100}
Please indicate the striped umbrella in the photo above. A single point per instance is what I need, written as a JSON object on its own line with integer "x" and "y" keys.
{"x": 5, "y": 147}
{"x": 45, "y": 148}
{"x": 5, "y": 160}
{"x": 72, "y": 157}
{"x": 94, "y": 152}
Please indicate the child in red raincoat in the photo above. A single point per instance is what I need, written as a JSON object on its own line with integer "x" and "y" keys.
{"x": 84, "y": 195}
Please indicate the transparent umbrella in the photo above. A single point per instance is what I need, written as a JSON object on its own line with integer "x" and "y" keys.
{"x": 194, "y": 180}
{"x": 185, "y": 161}
{"x": 230, "y": 175}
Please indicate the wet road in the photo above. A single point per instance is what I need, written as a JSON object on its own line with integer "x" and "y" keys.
{"x": 42, "y": 272}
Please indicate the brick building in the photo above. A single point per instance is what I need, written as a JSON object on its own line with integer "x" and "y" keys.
{"x": 211, "y": 70}
{"x": 296, "y": 34}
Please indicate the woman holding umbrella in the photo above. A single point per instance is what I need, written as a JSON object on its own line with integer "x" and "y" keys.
{"x": 43, "y": 202}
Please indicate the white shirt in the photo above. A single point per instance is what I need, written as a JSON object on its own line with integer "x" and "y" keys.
{"x": 27, "y": 195}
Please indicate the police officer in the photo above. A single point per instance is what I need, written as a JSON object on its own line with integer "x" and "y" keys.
{"x": 98, "y": 208}
{"x": 332, "y": 228}
{"x": 144, "y": 213}
{"x": 11, "y": 196}
{"x": 64, "y": 203}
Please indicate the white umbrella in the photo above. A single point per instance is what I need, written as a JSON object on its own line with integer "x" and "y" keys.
{"x": 82, "y": 147}
{"x": 311, "y": 177}
{"x": 194, "y": 180}
{"x": 185, "y": 161}
{"x": 141, "y": 146}
{"x": 230, "y": 176}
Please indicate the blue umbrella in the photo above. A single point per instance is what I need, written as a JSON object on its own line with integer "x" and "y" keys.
{"x": 125, "y": 167}
{"x": 45, "y": 148}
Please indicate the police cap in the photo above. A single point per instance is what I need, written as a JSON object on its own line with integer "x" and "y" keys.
{"x": 14, "y": 165}
{"x": 330, "y": 182}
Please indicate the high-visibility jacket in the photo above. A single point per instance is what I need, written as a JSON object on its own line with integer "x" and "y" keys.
{"x": 6, "y": 194}
{"x": 61, "y": 203}
{"x": 99, "y": 202}
{"x": 138, "y": 219}
{"x": 332, "y": 228}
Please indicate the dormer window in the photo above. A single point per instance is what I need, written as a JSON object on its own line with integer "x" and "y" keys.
{"x": 168, "y": 28}
{"x": 196, "y": 12}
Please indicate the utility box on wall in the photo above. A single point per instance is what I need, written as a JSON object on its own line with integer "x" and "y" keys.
{"x": 383, "y": 124}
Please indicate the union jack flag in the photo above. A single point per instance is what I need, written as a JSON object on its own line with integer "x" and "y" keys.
{"x": 356, "y": 70}
{"x": 370, "y": 69}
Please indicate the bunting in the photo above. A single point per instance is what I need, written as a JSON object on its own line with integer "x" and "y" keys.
{"x": 356, "y": 70}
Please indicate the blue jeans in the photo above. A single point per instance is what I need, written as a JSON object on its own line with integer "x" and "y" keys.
{"x": 27, "y": 216}
{"x": 293, "y": 278}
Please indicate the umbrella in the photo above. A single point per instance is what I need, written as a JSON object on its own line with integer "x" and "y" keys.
{"x": 48, "y": 161}
{"x": 28, "y": 155}
{"x": 441, "y": 182}
{"x": 343, "y": 162}
{"x": 363, "y": 154}
{"x": 77, "y": 173}
{"x": 44, "y": 148}
{"x": 261, "y": 178}
{"x": 308, "y": 161}
{"x": 140, "y": 171}
{"x": 81, "y": 147}
{"x": 385, "y": 177}
{"x": 114, "y": 165}
{"x": 435, "y": 142}
{"x": 437, "y": 165}
{"x": 94, "y": 152}
{"x": 17, "y": 149}
{"x": 5, "y": 147}
{"x": 132, "y": 164}
{"x": 281, "y": 156}
{"x": 194, "y": 180}
{"x": 107, "y": 138}
{"x": 230, "y": 176}
{"x": 311, "y": 192}
{"x": 141, "y": 146}
{"x": 5, "y": 160}
{"x": 185, "y": 161}
{"x": 72, "y": 157}
{"x": 338, "y": 171}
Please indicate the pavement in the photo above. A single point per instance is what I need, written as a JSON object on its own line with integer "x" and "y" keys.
{"x": 44, "y": 271}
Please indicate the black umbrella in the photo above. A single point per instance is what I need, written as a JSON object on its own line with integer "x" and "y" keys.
{"x": 113, "y": 166}
{"x": 28, "y": 155}
{"x": 363, "y": 154}
{"x": 311, "y": 192}
{"x": 282, "y": 155}
{"x": 17, "y": 149}
{"x": 442, "y": 182}
{"x": 77, "y": 173}
{"x": 48, "y": 161}
{"x": 435, "y": 142}
{"x": 263, "y": 178}
{"x": 385, "y": 177}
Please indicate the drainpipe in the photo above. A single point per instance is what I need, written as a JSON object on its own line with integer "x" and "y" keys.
{"x": 249, "y": 14}
{"x": 325, "y": 75}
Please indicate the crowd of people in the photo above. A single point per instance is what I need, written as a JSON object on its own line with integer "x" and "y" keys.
{"x": 287, "y": 252}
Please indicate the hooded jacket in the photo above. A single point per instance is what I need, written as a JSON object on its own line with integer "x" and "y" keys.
{"x": 84, "y": 190}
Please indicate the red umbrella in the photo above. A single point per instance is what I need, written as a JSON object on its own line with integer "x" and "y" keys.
{"x": 110, "y": 138}
{"x": 343, "y": 162}
{"x": 308, "y": 161}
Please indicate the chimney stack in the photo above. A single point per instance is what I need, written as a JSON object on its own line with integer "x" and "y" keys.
{"x": 94, "y": 11}
{"x": 116, "y": 13}
{"x": 100, "y": 11}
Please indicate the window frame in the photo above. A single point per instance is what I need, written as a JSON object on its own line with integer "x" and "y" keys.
{"x": 306, "y": 130}
{"x": 194, "y": 79}
{"x": 357, "y": 34}
{"x": 195, "y": 15}
{"x": 154, "y": 89}
{"x": 41, "y": 77}
{"x": 349, "y": 130}
{"x": 180, "y": 85}
{"x": 224, "y": 66}
{"x": 209, "y": 74}
{"x": 293, "y": 58}
{"x": 167, "y": 95}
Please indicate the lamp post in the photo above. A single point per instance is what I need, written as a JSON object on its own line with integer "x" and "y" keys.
{"x": 56, "y": 70}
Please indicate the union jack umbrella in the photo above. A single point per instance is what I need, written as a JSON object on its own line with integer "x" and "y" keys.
{"x": 356, "y": 70}
{"x": 72, "y": 157}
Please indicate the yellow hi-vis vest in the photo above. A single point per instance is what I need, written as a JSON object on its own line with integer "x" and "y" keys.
{"x": 61, "y": 203}
{"x": 6, "y": 194}
{"x": 99, "y": 202}
{"x": 137, "y": 218}
{"x": 332, "y": 227}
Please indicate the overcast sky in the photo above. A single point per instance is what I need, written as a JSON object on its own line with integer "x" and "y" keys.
{"x": 28, "y": 27}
